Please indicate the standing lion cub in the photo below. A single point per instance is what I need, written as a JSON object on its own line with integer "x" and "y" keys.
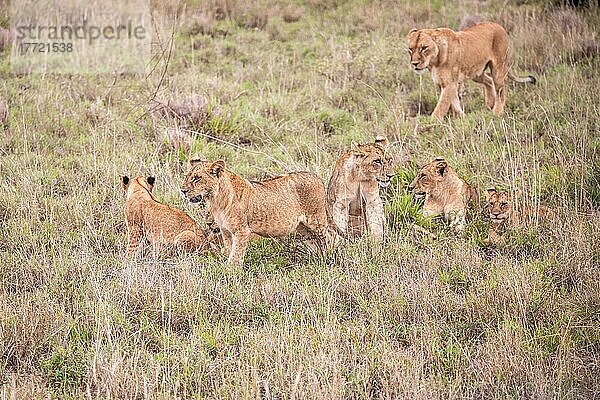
{"x": 292, "y": 203}
{"x": 353, "y": 198}
{"x": 158, "y": 223}
{"x": 452, "y": 57}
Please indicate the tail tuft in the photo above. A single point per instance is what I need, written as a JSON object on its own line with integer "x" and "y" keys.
{"x": 532, "y": 79}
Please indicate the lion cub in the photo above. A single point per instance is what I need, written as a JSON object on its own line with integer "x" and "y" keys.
{"x": 158, "y": 223}
{"x": 292, "y": 203}
{"x": 445, "y": 193}
{"x": 503, "y": 211}
{"x": 353, "y": 200}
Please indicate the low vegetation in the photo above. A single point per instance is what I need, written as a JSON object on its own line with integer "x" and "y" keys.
{"x": 272, "y": 87}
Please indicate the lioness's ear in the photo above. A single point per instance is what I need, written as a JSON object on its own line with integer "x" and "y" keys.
{"x": 413, "y": 30}
{"x": 193, "y": 161}
{"x": 356, "y": 149}
{"x": 440, "y": 166}
{"x": 382, "y": 141}
{"x": 125, "y": 181}
{"x": 489, "y": 193}
{"x": 515, "y": 193}
{"x": 151, "y": 180}
{"x": 217, "y": 168}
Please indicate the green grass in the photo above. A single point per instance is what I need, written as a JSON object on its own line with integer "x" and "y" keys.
{"x": 420, "y": 316}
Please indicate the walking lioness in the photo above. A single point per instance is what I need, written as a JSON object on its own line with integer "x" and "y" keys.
{"x": 452, "y": 57}
{"x": 292, "y": 203}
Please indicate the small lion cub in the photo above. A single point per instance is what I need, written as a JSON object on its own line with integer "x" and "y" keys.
{"x": 158, "y": 223}
{"x": 504, "y": 211}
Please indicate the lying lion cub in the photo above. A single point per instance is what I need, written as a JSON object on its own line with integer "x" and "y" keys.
{"x": 158, "y": 223}
{"x": 452, "y": 57}
{"x": 353, "y": 192}
{"x": 292, "y": 203}
{"x": 504, "y": 212}
{"x": 445, "y": 193}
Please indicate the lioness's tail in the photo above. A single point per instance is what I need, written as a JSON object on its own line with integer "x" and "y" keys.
{"x": 528, "y": 79}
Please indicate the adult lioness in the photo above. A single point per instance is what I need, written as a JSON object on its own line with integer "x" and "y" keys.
{"x": 452, "y": 57}
{"x": 158, "y": 223}
{"x": 292, "y": 203}
{"x": 504, "y": 212}
{"x": 353, "y": 191}
{"x": 445, "y": 193}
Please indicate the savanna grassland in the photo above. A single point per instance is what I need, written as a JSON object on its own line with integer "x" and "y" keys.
{"x": 271, "y": 87}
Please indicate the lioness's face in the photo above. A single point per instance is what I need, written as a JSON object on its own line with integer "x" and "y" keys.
{"x": 202, "y": 180}
{"x": 422, "y": 49}
{"x": 500, "y": 205}
{"x": 428, "y": 178}
{"x": 374, "y": 163}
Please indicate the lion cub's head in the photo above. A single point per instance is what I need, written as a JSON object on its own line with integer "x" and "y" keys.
{"x": 202, "y": 180}
{"x": 373, "y": 162}
{"x": 500, "y": 205}
{"x": 432, "y": 176}
{"x": 424, "y": 47}
{"x": 138, "y": 184}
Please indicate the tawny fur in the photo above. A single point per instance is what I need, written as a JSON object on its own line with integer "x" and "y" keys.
{"x": 480, "y": 53}
{"x": 446, "y": 194}
{"x": 504, "y": 212}
{"x": 158, "y": 223}
{"x": 288, "y": 204}
{"x": 353, "y": 200}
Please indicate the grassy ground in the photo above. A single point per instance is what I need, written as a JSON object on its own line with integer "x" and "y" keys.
{"x": 280, "y": 87}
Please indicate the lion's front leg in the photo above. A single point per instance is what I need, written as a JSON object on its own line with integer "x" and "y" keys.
{"x": 227, "y": 240}
{"x": 375, "y": 217}
{"x": 457, "y": 219}
{"x": 238, "y": 247}
{"x": 340, "y": 216}
{"x": 448, "y": 97}
{"x": 135, "y": 236}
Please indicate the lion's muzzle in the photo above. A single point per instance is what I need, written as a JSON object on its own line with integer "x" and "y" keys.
{"x": 385, "y": 182}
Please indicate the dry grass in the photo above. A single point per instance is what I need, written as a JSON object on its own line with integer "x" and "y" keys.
{"x": 272, "y": 87}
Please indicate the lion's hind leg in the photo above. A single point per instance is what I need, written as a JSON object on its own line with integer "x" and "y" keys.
{"x": 489, "y": 89}
{"x": 499, "y": 75}
{"x": 188, "y": 240}
{"x": 314, "y": 230}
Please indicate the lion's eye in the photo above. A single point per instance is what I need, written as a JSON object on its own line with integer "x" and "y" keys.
{"x": 197, "y": 178}
{"x": 503, "y": 204}
{"x": 424, "y": 48}
{"x": 377, "y": 162}
{"x": 409, "y": 51}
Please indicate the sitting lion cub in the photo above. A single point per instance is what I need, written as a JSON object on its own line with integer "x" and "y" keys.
{"x": 445, "y": 193}
{"x": 353, "y": 192}
{"x": 452, "y": 57}
{"x": 504, "y": 212}
{"x": 292, "y": 203}
{"x": 158, "y": 223}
